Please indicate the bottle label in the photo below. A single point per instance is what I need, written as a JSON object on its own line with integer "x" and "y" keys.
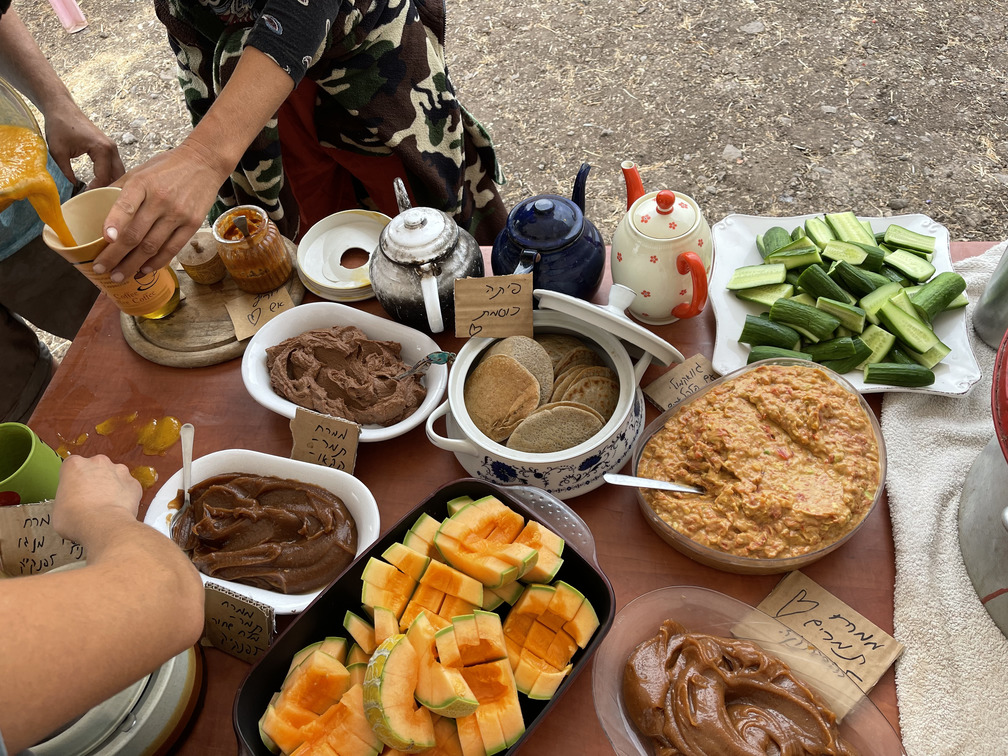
{"x": 140, "y": 295}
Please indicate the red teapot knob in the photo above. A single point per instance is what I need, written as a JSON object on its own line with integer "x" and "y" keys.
{"x": 665, "y": 200}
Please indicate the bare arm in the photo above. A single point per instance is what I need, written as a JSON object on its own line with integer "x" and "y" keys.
{"x": 164, "y": 201}
{"x": 73, "y": 638}
{"x": 69, "y": 133}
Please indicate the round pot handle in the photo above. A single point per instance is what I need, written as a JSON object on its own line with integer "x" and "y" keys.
{"x": 432, "y": 301}
{"x": 526, "y": 262}
{"x": 448, "y": 444}
{"x": 691, "y": 262}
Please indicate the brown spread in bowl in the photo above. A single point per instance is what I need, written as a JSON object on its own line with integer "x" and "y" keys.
{"x": 697, "y": 695}
{"x": 267, "y": 532}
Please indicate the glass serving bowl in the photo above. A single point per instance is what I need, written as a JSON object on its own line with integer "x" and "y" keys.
{"x": 706, "y": 611}
{"x": 746, "y": 564}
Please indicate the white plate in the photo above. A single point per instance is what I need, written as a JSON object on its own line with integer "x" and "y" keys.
{"x": 415, "y": 346}
{"x": 354, "y": 494}
{"x": 735, "y": 245}
{"x": 320, "y": 252}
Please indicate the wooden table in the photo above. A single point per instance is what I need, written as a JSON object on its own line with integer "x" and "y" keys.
{"x": 102, "y": 378}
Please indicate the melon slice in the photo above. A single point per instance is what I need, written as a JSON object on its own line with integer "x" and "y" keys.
{"x": 442, "y": 593}
{"x": 344, "y": 728}
{"x": 357, "y": 672}
{"x": 335, "y": 646}
{"x": 536, "y": 678}
{"x": 471, "y": 639}
{"x": 361, "y": 631}
{"x": 386, "y": 623}
{"x": 389, "y": 697}
{"x": 385, "y": 585}
{"x": 498, "y": 720}
{"x": 550, "y": 547}
{"x": 454, "y": 505}
{"x": 356, "y": 654}
{"x": 280, "y": 733}
{"x": 420, "y": 536}
{"x": 315, "y": 684}
{"x": 408, "y": 561}
{"x": 441, "y": 689}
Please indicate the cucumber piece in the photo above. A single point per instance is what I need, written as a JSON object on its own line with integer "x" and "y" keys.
{"x": 909, "y": 329}
{"x": 766, "y": 295}
{"x": 850, "y": 316}
{"x": 901, "y": 300}
{"x": 797, "y": 254}
{"x": 959, "y": 302}
{"x": 832, "y": 349}
{"x": 931, "y": 357}
{"x": 874, "y": 256}
{"x": 759, "y": 245}
{"x": 923, "y": 255}
{"x": 816, "y": 283}
{"x": 899, "y": 354}
{"x": 861, "y": 352}
{"x": 758, "y": 353}
{"x": 872, "y": 302}
{"x": 856, "y": 280}
{"x": 898, "y": 374}
{"x": 804, "y": 298}
{"x": 749, "y": 276}
{"x": 936, "y": 295}
{"x": 757, "y": 331}
{"x": 846, "y": 227}
{"x": 774, "y": 239}
{"x": 879, "y": 340}
{"x": 808, "y": 321}
{"x": 892, "y": 274}
{"x": 797, "y": 233}
{"x": 818, "y": 231}
{"x": 913, "y": 267}
{"x": 899, "y": 236}
{"x": 838, "y": 250}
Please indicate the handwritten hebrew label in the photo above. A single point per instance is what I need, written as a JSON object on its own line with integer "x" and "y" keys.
{"x": 684, "y": 379}
{"x": 28, "y": 542}
{"x": 856, "y": 645}
{"x": 250, "y": 312}
{"x": 237, "y": 625}
{"x": 495, "y": 306}
{"x": 324, "y": 440}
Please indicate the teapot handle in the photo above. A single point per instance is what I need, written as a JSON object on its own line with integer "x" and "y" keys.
{"x": 691, "y": 262}
{"x": 431, "y": 298}
{"x": 526, "y": 261}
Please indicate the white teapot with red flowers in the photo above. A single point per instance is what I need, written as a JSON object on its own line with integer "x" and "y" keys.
{"x": 662, "y": 250}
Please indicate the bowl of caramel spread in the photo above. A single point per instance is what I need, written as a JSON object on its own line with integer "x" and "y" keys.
{"x": 271, "y": 529}
{"x": 790, "y": 458}
{"x": 687, "y": 671}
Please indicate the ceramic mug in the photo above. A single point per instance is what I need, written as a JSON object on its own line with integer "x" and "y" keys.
{"x": 28, "y": 466}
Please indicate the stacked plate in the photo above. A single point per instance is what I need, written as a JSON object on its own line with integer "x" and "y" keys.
{"x": 328, "y": 255}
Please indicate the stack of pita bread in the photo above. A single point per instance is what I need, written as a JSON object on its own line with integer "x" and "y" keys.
{"x": 542, "y": 394}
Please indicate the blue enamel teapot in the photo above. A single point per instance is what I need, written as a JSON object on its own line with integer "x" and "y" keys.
{"x": 550, "y": 237}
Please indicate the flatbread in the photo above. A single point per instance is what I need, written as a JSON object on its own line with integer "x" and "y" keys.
{"x": 567, "y": 377}
{"x": 557, "y": 345}
{"x": 597, "y": 391}
{"x": 582, "y": 355}
{"x": 499, "y": 393}
{"x": 555, "y": 427}
{"x": 532, "y": 356}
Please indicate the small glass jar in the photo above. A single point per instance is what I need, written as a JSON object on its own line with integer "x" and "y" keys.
{"x": 257, "y": 261}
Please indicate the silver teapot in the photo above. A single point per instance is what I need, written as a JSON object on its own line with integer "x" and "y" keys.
{"x": 421, "y": 253}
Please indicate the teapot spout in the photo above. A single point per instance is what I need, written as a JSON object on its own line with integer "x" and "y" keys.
{"x": 634, "y": 185}
{"x": 578, "y": 194}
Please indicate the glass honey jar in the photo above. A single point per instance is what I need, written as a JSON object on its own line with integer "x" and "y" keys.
{"x": 252, "y": 249}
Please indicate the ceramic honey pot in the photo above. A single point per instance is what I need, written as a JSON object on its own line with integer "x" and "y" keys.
{"x": 662, "y": 250}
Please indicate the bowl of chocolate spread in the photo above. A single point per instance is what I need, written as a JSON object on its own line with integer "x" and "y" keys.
{"x": 688, "y": 670}
{"x": 271, "y": 529}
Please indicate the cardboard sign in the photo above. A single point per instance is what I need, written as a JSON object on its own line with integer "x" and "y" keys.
{"x": 250, "y": 312}
{"x": 684, "y": 379}
{"x": 495, "y": 306}
{"x": 28, "y": 542}
{"x": 236, "y": 625}
{"x": 856, "y": 645}
{"x": 324, "y": 440}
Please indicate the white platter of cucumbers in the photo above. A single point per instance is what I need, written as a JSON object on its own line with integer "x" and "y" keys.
{"x": 875, "y": 299}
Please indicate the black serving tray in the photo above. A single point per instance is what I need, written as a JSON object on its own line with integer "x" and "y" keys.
{"x": 324, "y": 616}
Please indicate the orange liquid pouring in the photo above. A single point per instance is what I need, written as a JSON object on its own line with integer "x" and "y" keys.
{"x": 23, "y": 175}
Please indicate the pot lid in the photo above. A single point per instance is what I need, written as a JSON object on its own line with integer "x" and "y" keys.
{"x": 663, "y": 215}
{"x": 545, "y": 222}
{"x": 418, "y": 235}
{"x": 611, "y": 318}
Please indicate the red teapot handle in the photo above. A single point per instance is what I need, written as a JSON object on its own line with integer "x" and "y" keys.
{"x": 691, "y": 262}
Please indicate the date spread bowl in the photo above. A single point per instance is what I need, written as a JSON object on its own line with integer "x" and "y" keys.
{"x": 747, "y": 564}
{"x": 325, "y": 615}
{"x": 352, "y": 492}
{"x": 577, "y": 470}
{"x": 306, "y": 317}
{"x": 701, "y": 610}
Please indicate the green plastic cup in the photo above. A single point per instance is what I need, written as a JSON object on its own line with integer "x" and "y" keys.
{"x": 28, "y": 466}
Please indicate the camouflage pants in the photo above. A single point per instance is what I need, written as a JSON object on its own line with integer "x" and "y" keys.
{"x": 382, "y": 90}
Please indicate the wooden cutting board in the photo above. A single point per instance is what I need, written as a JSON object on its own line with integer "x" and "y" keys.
{"x": 199, "y": 332}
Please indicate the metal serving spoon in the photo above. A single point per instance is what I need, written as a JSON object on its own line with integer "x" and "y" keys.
{"x": 186, "y": 434}
{"x": 617, "y": 479}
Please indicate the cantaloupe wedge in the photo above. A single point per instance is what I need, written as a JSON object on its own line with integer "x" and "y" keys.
{"x": 389, "y": 697}
{"x": 441, "y": 689}
{"x": 343, "y": 728}
{"x": 498, "y": 722}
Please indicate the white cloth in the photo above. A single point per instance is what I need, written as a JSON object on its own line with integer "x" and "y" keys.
{"x": 952, "y": 680}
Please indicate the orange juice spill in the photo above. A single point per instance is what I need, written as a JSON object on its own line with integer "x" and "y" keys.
{"x": 112, "y": 424}
{"x": 146, "y": 475}
{"x": 68, "y": 447}
{"x": 157, "y": 436}
{"x": 23, "y": 175}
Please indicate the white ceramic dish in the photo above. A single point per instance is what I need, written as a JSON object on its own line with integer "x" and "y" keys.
{"x": 415, "y": 346}
{"x": 706, "y": 611}
{"x": 321, "y": 250}
{"x": 354, "y": 494}
{"x": 735, "y": 243}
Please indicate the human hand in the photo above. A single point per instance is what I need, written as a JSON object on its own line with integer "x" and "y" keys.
{"x": 162, "y": 204}
{"x": 93, "y": 495}
{"x": 70, "y": 133}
